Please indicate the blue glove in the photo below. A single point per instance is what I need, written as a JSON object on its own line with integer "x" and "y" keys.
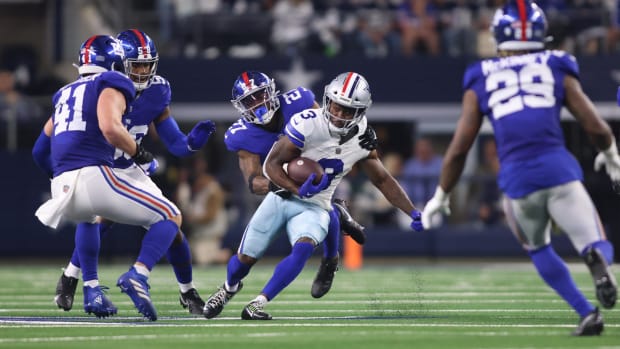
{"x": 199, "y": 135}
{"x": 308, "y": 190}
{"x": 150, "y": 168}
{"x": 416, "y": 224}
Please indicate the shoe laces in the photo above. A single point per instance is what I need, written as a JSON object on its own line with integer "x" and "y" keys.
{"x": 220, "y": 298}
{"x": 254, "y": 307}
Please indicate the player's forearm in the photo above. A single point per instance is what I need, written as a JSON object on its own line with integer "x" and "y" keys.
{"x": 451, "y": 171}
{"x": 395, "y": 194}
{"x": 274, "y": 172}
{"x": 172, "y": 137}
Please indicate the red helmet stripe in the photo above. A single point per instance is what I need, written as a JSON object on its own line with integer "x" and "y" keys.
{"x": 523, "y": 17}
{"x": 87, "y": 48}
{"x": 246, "y": 79}
{"x": 142, "y": 41}
{"x": 346, "y": 82}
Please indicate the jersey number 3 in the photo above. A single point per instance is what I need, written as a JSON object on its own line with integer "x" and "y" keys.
{"x": 512, "y": 91}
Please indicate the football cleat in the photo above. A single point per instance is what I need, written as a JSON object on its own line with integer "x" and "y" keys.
{"x": 191, "y": 299}
{"x": 136, "y": 287}
{"x": 254, "y": 311}
{"x": 348, "y": 225}
{"x": 65, "y": 292}
{"x": 216, "y": 302}
{"x": 590, "y": 325}
{"x": 96, "y": 302}
{"x": 604, "y": 280}
{"x": 324, "y": 277}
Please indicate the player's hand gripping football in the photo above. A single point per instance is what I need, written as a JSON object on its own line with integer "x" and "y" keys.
{"x": 439, "y": 203}
{"x": 611, "y": 160}
{"x": 308, "y": 189}
{"x": 199, "y": 135}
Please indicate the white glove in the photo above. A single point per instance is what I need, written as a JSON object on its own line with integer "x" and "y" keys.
{"x": 439, "y": 203}
{"x": 611, "y": 160}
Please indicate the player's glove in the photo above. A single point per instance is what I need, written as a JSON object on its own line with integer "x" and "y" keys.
{"x": 199, "y": 135}
{"x": 439, "y": 203}
{"x": 142, "y": 155}
{"x": 283, "y": 193}
{"x": 416, "y": 223}
{"x": 150, "y": 167}
{"x": 611, "y": 160}
{"x": 368, "y": 140}
{"x": 308, "y": 190}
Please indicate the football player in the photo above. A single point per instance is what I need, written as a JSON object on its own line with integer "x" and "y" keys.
{"x": 328, "y": 135}
{"x": 151, "y": 107}
{"x": 522, "y": 92}
{"x": 264, "y": 113}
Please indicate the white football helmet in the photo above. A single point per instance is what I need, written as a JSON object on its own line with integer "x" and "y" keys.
{"x": 351, "y": 91}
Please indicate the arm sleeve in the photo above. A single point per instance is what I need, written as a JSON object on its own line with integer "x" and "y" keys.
{"x": 41, "y": 153}
{"x": 173, "y": 138}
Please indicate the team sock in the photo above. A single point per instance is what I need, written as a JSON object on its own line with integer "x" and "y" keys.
{"x": 180, "y": 258}
{"x": 156, "y": 242}
{"x": 554, "y": 272}
{"x": 87, "y": 243}
{"x": 71, "y": 270}
{"x": 332, "y": 240}
{"x": 605, "y": 247}
{"x": 287, "y": 270}
{"x": 236, "y": 271}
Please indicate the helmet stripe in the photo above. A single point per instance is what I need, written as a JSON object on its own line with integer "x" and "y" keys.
{"x": 357, "y": 80}
{"x": 346, "y": 83}
{"x": 87, "y": 48}
{"x": 142, "y": 42}
{"x": 523, "y": 17}
{"x": 246, "y": 79}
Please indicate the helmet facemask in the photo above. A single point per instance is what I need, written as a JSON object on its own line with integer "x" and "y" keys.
{"x": 141, "y": 71}
{"x": 259, "y": 105}
{"x": 341, "y": 118}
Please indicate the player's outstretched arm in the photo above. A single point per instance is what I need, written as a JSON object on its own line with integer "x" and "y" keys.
{"x": 454, "y": 160}
{"x": 252, "y": 170}
{"x": 176, "y": 141}
{"x": 391, "y": 189}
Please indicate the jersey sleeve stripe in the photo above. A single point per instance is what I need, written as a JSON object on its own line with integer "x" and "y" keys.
{"x": 295, "y": 136}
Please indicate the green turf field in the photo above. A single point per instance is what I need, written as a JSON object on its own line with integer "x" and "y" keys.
{"x": 409, "y": 305}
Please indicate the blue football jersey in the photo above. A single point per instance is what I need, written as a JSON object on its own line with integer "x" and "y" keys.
{"x": 243, "y": 135}
{"x": 522, "y": 96}
{"x": 147, "y": 106}
{"x": 76, "y": 139}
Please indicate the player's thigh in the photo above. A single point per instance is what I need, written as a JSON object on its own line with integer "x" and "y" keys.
{"x": 574, "y": 212}
{"x": 307, "y": 221}
{"x": 528, "y": 219}
{"x": 264, "y": 226}
{"x": 120, "y": 198}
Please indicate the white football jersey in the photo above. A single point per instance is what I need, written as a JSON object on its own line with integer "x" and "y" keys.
{"x": 310, "y": 132}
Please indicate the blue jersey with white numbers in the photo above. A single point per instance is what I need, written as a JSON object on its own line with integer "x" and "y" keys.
{"x": 243, "y": 135}
{"x": 522, "y": 96}
{"x": 76, "y": 139}
{"x": 148, "y": 105}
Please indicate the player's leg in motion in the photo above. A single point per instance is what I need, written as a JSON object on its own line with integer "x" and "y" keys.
{"x": 285, "y": 272}
{"x": 598, "y": 257}
{"x": 134, "y": 282}
{"x": 329, "y": 263}
{"x": 238, "y": 267}
{"x": 180, "y": 258}
{"x": 529, "y": 219}
{"x": 87, "y": 242}
{"x": 67, "y": 283}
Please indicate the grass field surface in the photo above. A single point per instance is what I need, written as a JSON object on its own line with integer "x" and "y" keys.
{"x": 406, "y": 305}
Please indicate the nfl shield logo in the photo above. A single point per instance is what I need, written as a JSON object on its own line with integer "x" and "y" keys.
{"x": 65, "y": 188}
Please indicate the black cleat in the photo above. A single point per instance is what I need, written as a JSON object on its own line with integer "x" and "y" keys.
{"x": 324, "y": 277}
{"x": 590, "y": 325}
{"x": 348, "y": 225}
{"x": 254, "y": 311}
{"x": 65, "y": 292}
{"x": 604, "y": 280}
{"x": 216, "y": 302}
{"x": 191, "y": 299}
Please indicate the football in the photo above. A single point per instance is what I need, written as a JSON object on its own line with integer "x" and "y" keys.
{"x": 300, "y": 168}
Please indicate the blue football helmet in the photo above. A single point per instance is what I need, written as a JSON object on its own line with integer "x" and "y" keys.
{"x": 142, "y": 57}
{"x": 101, "y": 53}
{"x": 254, "y": 95}
{"x": 519, "y": 25}
{"x": 352, "y": 93}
